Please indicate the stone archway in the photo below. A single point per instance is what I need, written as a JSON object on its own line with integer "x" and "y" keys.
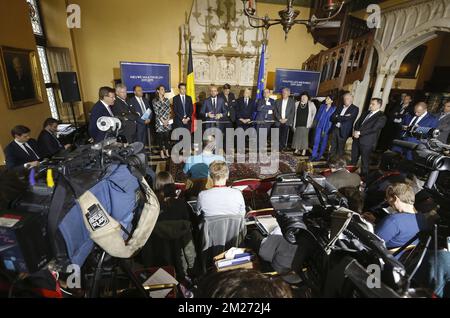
{"x": 404, "y": 28}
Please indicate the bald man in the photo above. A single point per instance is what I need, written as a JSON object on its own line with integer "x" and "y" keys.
{"x": 421, "y": 118}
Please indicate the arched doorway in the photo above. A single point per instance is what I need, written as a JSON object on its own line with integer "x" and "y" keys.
{"x": 404, "y": 28}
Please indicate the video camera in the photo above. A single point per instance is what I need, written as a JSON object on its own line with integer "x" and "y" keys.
{"x": 335, "y": 247}
{"x": 81, "y": 170}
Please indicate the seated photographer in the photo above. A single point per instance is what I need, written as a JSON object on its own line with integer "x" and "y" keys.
{"x": 23, "y": 152}
{"x": 341, "y": 177}
{"x": 48, "y": 142}
{"x": 220, "y": 200}
{"x": 397, "y": 229}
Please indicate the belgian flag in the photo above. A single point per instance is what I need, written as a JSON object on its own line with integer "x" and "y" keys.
{"x": 190, "y": 88}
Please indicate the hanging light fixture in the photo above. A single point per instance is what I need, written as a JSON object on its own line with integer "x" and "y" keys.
{"x": 288, "y": 16}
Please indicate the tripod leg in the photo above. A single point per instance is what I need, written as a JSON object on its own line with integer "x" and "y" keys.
{"x": 94, "y": 292}
{"x": 126, "y": 268}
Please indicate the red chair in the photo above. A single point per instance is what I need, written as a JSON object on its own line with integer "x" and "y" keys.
{"x": 327, "y": 172}
{"x": 254, "y": 188}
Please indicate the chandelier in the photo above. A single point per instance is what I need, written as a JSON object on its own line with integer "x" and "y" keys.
{"x": 288, "y": 16}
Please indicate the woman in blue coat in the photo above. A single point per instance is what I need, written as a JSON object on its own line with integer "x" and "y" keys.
{"x": 323, "y": 128}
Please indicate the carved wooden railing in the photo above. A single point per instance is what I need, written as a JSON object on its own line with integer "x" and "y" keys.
{"x": 341, "y": 65}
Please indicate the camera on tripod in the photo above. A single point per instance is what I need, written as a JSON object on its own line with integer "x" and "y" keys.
{"x": 335, "y": 245}
{"x": 101, "y": 200}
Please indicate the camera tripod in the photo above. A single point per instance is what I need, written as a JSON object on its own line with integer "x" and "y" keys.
{"x": 99, "y": 273}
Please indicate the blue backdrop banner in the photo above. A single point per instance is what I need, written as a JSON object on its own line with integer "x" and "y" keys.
{"x": 148, "y": 75}
{"x": 298, "y": 81}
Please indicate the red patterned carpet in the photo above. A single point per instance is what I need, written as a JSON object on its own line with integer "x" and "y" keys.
{"x": 287, "y": 163}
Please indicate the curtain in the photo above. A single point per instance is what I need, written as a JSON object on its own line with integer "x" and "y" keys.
{"x": 59, "y": 60}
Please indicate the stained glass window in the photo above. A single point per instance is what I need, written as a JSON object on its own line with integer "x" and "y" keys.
{"x": 35, "y": 18}
{"x": 44, "y": 64}
{"x": 52, "y": 102}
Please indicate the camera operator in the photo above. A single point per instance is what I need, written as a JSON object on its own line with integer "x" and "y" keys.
{"x": 397, "y": 229}
{"x": 23, "y": 152}
{"x": 48, "y": 142}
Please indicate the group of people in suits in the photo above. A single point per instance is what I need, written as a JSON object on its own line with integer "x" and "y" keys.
{"x": 329, "y": 123}
{"x": 131, "y": 112}
{"x": 137, "y": 113}
{"x": 25, "y": 152}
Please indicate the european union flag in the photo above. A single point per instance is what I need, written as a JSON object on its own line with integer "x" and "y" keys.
{"x": 261, "y": 74}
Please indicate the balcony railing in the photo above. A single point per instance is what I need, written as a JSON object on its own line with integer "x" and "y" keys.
{"x": 341, "y": 65}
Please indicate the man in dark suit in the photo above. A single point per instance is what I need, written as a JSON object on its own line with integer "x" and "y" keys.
{"x": 48, "y": 142}
{"x": 126, "y": 114}
{"x": 22, "y": 152}
{"x": 141, "y": 105}
{"x": 395, "y": 115}
{"x": 284, "y": 114}
{"x": 103, "y": 108}
{"x": 343, "y": 119}
{"x": 213, "y": 109}
{"x": 366, "y": 133}
{"x": 265, "y": 109}
{"x": 230, "y": 102}
{"x": 183, "y": 108}
{"x": 422, "y": 118}
{"x": 444, "y": 123}
{"x": 245, "y": 107}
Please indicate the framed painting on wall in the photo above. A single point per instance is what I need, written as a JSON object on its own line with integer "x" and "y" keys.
{"x": 20, "y": 77}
